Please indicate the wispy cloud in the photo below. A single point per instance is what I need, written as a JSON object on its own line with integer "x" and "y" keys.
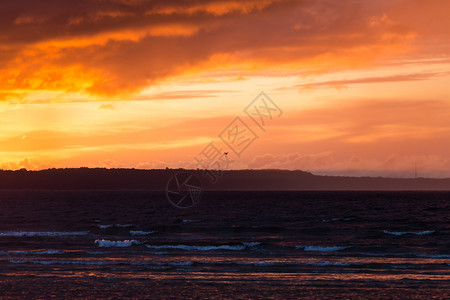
{"x": 366, "y": 80}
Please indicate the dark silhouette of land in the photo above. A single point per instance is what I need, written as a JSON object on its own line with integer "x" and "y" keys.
{"x": 156, "y": 180}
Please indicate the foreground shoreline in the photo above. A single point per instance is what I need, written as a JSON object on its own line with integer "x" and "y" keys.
{"x": 46, "y": 287}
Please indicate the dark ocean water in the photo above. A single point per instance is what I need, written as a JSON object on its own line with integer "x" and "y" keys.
{"x": 281, "y": 245}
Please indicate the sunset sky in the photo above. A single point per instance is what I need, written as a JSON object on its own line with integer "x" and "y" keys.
{"x": 364, "y": 86}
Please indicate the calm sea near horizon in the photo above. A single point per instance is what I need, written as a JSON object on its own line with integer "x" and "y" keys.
{"x": 232, "y": 245}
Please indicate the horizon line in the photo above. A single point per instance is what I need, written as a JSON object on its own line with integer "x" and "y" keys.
{"x": 227, "y": 170}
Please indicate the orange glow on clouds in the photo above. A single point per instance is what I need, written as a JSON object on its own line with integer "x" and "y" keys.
{"x": 148, "y": 84}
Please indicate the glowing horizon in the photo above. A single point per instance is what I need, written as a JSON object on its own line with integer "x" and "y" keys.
{"x": 363, "y": 85}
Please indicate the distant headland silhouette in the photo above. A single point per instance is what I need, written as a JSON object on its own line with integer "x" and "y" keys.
{"x": 156, "y": 180}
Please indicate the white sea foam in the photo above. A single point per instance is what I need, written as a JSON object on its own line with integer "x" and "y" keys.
{"x": 96, "y": 252}
{"x": 404, "y": 266}
{"x": 335, "y": 219}
{"x": 65, "y": 262}
{"x": 330, "y": 220}
{"x": 434, "y": 255}
{"x": 132, "y": 232}
{"x": 175, "y": 264}
{"x": 160, "y": 253}
{"x": 374, "y": 254}
{"x": 257, "y": 263}
{"x": 105, "y": 226}
{"x": 251, "y": 244}
{"x": 103, "y": 263}
{"x": 276, "y": 263}
{"x": 399, "y": 233}
{"x": 41, "y": 234}
{"x": 322, "y": 248}
{"x": 325, "y": 263}
{"x": 47, "y": 252}
{"x": 197, "y": 248}
{"x": 41, "y": 262}
{"x": 267, "y": 263}
{"x": 40, "y": 252}
{"x": 125, "y": 243}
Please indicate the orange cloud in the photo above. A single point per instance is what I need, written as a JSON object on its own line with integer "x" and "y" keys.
{"x": 216, "y": 8}
{"x": 122, "y": 47}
